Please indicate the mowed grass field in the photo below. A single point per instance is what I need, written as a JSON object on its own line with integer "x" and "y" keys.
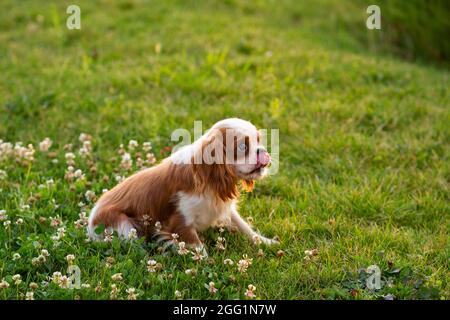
{"x": 364, "y": 148}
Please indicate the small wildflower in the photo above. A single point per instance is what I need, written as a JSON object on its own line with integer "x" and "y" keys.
{"x": 191, "y": 272}
{"x": 29, "y": 295}
{"x": 19, "y": 221}
{"x": 114, "y": 292}
{"x": 153, "y": 266}
{"x": 243, "y": 264}
{"x": 70, "y": 258}
{"x": 45, "y": 253}
{"x": 178, "y": 294}
{"x": 158, "y": 226}
{"x": 3, "y": 175}
{"x": 56, "y": 277}
{"x": 33, "y": 285}
{"x": 3, "y": 215}
{"x": 280, "y": 253}
{"x": 198, "y": 254}
{"x": 6, "y": 224}
{"x": 117, "y": 277}
{"x": 4, "y": 284}
{"x": 147, "y": 146}
{"x": 84, "y": 137}
{"x": 211, "y": 287}
{"x": 64, "y": 282}
{"x": 182, "y": 249}
{"x": 132, "y": 235}
{"x": 250, "y": 292}
{"x": 175, "y": 237}
{"x": 55, "y": 222}
{"x": 220, "y": 244}
{"x": 90, "y": 195}
{"x": 85, "y": 285}
{"x": 16, "y": 256}
{"x": 45, "y": 145}
{"x": 132, "y": 295}
{"x": 17, "y": 278}
{"x": 110, "y": 261}
{"x": 311, "y": 253}
{"x": 108, "y": 235}
{"x": 132, "y": 144}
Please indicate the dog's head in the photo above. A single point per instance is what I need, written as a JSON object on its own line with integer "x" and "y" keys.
{"x": 231, "y": 150}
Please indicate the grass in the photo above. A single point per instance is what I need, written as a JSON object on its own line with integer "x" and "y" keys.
{"x": 364, "y": 145}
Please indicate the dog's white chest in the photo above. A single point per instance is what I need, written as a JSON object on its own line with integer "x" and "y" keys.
{"x": 203, "y": 211}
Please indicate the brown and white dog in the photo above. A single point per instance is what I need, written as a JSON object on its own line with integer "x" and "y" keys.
{"x": 193, "y": 189}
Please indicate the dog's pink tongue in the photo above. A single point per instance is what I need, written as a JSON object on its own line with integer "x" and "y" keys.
{"x": 263, "y": 158}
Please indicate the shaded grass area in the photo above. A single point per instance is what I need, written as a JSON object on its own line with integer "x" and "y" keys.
{"x": 364, "y": 154}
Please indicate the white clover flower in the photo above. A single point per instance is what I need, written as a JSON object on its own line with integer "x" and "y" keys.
{"x": 114, "y": 292}
{"x": 90, "y": 195}
{"x": 84, "y": 137}
{"x": 175, "y": 237}
{"x": 243, "y": 264}
{"x": 85, "y": 285}
{"x": 153, "y": 266}
{"x": 45, "y": 145}
{"x": 191, "y": 272}
{"x": 6, "y": 224}
{"x": 3, "y": 174}
{"x": 29, "y": 295}
{"x": 3, "y": 215}
{"x": 33, "y": 285}
{"x": 178, "y": 294}
{"x": 19, "y": 221}
{"x": 16, "y": 256}
{"x": 228, "y": 262}
{"x": 4, "y": 284}
{"x": 45, "y": 253}
{"x": 313, "y": 252}
{"x": 182, "y": 250}
{"x": 132, "y": 235}
{"x": 132, "y": 294}
{"x": 147, "y": 146}
{"x": 220, "y": 244}
{"x": 50, "y": 183}
{"x": 211, "y": 287}
{"x": 126, "y": 162}
{"x": 132, "y": 144}
{"x": 17, "y": 278}
{"x": 108, "y": 235}
{"x": 56, "y": 277}
{"x": 117, "y": 277}
{"x": 70, "y": 156}
{"x": 64, "y": 282}
{"x": 198, "y": 254}
{"x": 55, "y": 222}
{"x": 250, "y": 292}
{"x": 158, "y": 226}
{"x": 70, "y": 258}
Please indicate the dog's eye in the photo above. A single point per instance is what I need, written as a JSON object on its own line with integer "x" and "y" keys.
{"x": 242, "y": 146}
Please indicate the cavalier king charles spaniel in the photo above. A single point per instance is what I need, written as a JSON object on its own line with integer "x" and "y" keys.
{"x": 193, "y": 189}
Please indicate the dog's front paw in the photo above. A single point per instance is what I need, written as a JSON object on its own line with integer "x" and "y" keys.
{"x": 257, "y": 239}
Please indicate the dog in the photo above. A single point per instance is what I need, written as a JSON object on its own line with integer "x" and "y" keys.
{"x": 193, "y": 189}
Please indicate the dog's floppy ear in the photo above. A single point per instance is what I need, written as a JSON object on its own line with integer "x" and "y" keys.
{"x": 248, "y": 185}
{"x": 213, "y": 171}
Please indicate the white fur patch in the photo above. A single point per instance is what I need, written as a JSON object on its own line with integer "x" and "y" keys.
{"x": 203, "y": 211}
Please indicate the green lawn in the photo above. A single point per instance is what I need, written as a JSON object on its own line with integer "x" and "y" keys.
{"x": 364, "y": 146}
